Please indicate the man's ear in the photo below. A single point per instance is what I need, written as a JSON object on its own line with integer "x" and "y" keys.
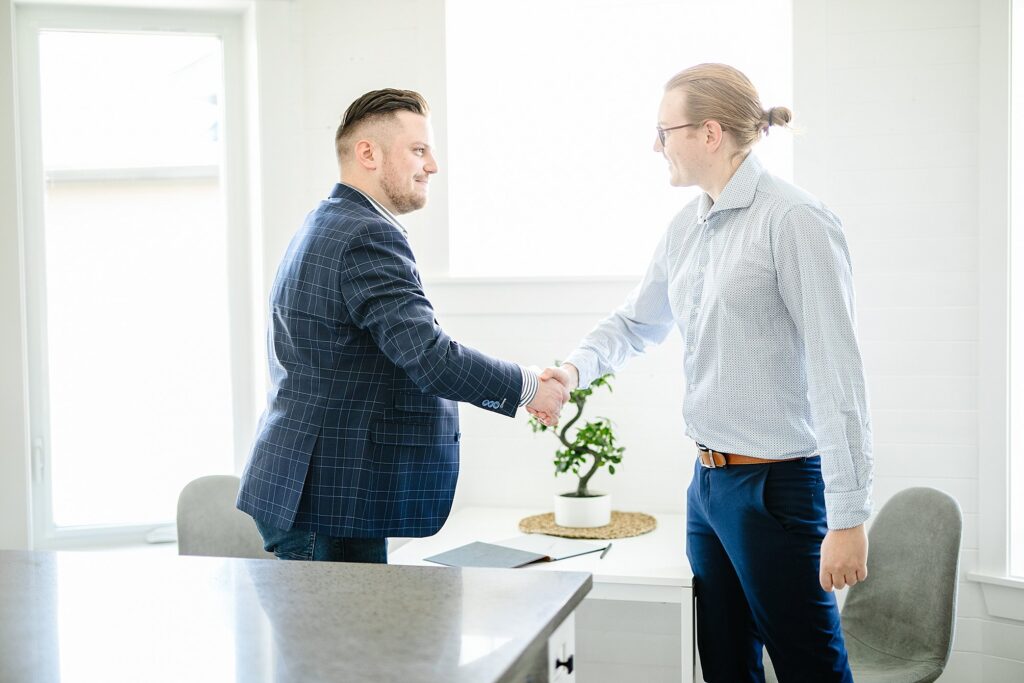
{"x": 367, "y": 155}
{"x": 713, "y": 134}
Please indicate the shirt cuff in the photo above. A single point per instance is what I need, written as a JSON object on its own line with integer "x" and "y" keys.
{"x": 529, "y": 386}
{"x": 847, "y": 509}
{"x": 586, "y": 364}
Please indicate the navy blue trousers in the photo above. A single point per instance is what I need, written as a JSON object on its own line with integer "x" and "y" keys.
{"x": 296, "y": 544}
{"x": 753, "y": 538}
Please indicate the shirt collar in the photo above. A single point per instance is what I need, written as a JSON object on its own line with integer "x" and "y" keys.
{"x": 387, "y": 215}
{"x": 739, "y": 191}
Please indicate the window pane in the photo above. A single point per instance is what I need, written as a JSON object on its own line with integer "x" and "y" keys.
{"x": 115, "y": 100}
{"x": 1017, "y": 294}
{"x": 136, "y": 272}
{"x": 551, "y": 147}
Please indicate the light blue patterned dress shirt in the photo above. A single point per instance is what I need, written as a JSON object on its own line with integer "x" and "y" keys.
{"x": 760, "y": 286}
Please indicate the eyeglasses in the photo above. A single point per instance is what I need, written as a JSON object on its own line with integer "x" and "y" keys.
{"x": 662, "y": 131}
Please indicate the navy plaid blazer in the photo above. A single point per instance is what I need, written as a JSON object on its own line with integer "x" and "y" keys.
{"x": 360, "y": 437}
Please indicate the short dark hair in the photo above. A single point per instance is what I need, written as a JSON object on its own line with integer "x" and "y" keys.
{"x": 374, "y": 106}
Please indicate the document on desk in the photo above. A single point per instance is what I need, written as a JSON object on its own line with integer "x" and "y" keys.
{"x": 479, "y": 554}
{"x": 553, "y": 547}
{"x": 515, "y": 552}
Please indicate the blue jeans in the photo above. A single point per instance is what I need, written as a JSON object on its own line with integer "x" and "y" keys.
{"x": 296, "y": 544}
{"x": 753, "y": 538}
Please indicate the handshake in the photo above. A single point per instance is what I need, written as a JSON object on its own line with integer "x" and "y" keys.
{"x": 553, "y": 390}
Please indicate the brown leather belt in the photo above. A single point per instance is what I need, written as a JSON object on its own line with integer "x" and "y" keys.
{"x": 711, "y": 458}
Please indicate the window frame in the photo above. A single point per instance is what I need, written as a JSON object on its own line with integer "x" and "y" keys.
{"x": 1003, "y": 594}
{"x": 29, "y": 21}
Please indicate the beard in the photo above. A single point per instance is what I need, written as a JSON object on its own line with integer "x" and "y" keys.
{"x": 398, "y": 192}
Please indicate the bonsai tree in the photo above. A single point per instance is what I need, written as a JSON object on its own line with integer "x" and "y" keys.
{"x": 592, "y": 446}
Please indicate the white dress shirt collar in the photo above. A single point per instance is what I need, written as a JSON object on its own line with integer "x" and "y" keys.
{"x": 388, "y": 216}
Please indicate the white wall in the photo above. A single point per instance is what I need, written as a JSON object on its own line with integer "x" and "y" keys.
{"x": 341, "y": 59}
{"x": 887, "y": 94}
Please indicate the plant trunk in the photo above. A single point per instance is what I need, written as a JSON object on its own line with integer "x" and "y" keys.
{"x": 570, "y": 423}
{"x": 582, "y": 491}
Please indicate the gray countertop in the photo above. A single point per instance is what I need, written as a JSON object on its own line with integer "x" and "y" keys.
{"x": 76, "y": 616}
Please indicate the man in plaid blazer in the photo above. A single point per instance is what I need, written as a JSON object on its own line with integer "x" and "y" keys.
{"x": 360, "y": 438}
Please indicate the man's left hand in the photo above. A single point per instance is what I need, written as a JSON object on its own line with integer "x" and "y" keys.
{"x": 844, "y": 558}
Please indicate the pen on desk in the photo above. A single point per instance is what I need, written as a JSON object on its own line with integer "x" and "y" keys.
{"x": 605, "y": 551}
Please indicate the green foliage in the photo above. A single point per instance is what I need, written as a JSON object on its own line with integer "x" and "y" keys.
{"x": 592, "y": 446}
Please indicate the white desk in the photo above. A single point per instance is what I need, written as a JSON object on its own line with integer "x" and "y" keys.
{"x": 647, "y": 568}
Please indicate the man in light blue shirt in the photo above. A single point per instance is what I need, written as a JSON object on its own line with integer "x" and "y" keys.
{"x": 755, "y": 273}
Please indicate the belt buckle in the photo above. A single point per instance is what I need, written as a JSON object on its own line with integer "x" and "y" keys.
{"x": 711, "y": 458}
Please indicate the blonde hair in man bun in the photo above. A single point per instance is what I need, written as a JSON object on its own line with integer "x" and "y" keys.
{"x": 723, "y": 93}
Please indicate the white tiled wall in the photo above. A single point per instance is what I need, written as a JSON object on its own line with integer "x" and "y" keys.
{"x": 506, "y": 464}
{"x": 891, "y": 93}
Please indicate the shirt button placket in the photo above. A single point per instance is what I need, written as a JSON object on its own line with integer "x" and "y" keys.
{"x": 698, "y": 290}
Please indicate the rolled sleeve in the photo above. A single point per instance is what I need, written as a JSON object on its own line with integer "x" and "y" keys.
{"x": 816, "y": 284}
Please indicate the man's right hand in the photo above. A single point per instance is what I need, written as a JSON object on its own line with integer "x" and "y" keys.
{"x": 567, "y": 376}
{"x": 547, "y": 403}
{"x": 566, "y": 373}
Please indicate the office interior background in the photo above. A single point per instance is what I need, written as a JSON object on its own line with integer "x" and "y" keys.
{"x": 146, "y": 202}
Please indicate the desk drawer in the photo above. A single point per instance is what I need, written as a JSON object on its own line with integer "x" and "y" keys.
{"x": 562, "y": 652}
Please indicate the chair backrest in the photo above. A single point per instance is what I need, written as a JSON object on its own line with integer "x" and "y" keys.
{"x": 210, "y": 524}
{"x": 907, "y": 606}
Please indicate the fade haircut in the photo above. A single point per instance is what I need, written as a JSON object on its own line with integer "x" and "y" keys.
{"x": 373, "y": 107}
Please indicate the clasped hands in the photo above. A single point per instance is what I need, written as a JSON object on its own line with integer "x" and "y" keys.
{"x": 553, "y": 390}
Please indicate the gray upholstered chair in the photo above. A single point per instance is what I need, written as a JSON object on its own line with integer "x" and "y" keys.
{"x": 899, "y": 623}
{"x": 209, "y": 523}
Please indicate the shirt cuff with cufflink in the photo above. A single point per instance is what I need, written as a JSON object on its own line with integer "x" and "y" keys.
{"x": 530, "y": 380}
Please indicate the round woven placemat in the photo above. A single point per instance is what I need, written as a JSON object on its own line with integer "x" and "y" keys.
{"x": 623, "y": 525}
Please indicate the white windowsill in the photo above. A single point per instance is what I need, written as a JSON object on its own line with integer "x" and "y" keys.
{"x": 588, "y": 296}
{"x": 1004, "y": 595}
{"x": 513, "y": 280}
{"x": 65, "y": 175}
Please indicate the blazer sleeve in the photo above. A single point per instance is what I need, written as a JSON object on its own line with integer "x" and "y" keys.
{"x": 382, "y": 293}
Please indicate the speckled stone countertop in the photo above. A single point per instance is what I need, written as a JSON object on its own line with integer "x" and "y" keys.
{"x": 107, "y": 617}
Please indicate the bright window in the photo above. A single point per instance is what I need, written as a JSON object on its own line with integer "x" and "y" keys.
{"x": 551, "y": 115}
{"x": 137, "y": 350}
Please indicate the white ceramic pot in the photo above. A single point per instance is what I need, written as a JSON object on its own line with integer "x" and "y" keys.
{"x": 588, "y": 512}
